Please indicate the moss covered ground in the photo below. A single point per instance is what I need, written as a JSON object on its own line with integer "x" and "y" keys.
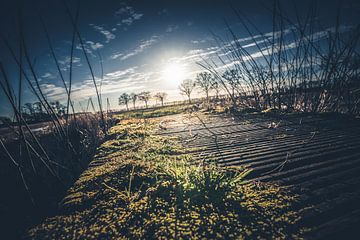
{"x": 143, "y": 186}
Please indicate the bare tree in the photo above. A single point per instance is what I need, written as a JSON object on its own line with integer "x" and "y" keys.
{"x": 216, "y": 86}
{"x": 232, "y": 78}
{"x": 133, "y": 97}
{"x": 161, "y": 97}
{"x": 125, "y": 99}
{"x": 145, "y": 96}
{"x": 204, "y": 81}
{"x": 186, "y": 88}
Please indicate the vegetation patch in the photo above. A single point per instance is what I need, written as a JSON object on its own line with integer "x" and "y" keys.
{"x": 141, "y": 185}
{"x": 156, "y": 112}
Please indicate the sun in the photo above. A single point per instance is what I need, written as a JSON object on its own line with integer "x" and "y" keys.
{"x": 173, "y": 73}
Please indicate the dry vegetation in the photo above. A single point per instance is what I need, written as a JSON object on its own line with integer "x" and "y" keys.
{"x": 301, "y": 66}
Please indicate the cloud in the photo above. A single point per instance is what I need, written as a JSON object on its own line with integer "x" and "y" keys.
{"x": 128, "y": 21}
{"x": 48, "y": 75}
{"x": 94, "y": 46}
{"x": 67, "y": 59}
{"x": 120, "y": 73}
{"x": 198, "y": 41}
{"x": 86, "y": 47}
{"x": 90, "y": 46}
{"x": 65, "y": 62}
{"x": 128, "y": 80}
{"x": 128, "y": 15}
{"x": 125, "y": 9}
{"x": 195, "y": 55}
{"x": 142, "y": 47}
{"x": 53, "y": 92}
{"x": 108, "y": 35}
{"x": 116, "y": 55}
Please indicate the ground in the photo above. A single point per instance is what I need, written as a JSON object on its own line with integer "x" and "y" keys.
{"x": 200, "y": 175}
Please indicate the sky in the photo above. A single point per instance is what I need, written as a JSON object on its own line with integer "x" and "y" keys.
{"x": 142, "y": 45}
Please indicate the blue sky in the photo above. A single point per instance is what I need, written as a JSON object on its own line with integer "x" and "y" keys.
{"x": 140, "y": 42}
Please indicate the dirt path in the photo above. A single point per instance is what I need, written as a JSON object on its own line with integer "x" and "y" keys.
{"x": 317, "y": 155}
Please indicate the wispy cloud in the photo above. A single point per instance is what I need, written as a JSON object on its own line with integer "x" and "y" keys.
{"x": 67, "y": 59}
{"x": 142, "y": 47}
{"x": 125, "y": 80}
{"x": 65, "y": 62}
{"x": 90, "y": 46}
{"x": 128, "y": 21}
{"x": 53, "y": 92}
{"x": 198, "y": 41}
{"x": 48, "y": 75}
{"x": 116, "y": 55}
{"x": 94, "y": 46}
{"x": 108, "y": 35}
{"x": 120, "y": 73}
{"x": 128, "y": 15}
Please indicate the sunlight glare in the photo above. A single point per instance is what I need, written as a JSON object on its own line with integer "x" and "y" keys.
{"x": 173, "y": 73}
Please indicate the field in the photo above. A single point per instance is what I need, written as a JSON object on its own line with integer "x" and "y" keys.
{"x": 197, "y": 174}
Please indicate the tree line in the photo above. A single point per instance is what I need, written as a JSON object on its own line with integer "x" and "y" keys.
{"x": 133, "y": 98}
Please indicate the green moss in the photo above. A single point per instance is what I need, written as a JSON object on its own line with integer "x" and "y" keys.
{"x": 146, "y": 187}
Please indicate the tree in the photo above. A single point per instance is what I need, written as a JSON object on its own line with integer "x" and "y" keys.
{"x": 133, "y": 97}
{"x": 125, "y": 99}
{"x": 204, "y": 81}
{"x": 216, "y": 86}
{"x": 161, "y": 96}
{"x": 5, "y": 120}
{"x": 232, "y": 78}
{"x": 37, "y": 107}
{"x": 145, "y": 97}
{"x": 186, "y": 88}
{"x": 29, "y": 107}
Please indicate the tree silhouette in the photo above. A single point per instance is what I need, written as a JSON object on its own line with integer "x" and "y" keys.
{"x": 161, "y": 97}
{"x": 204, "y": 81}
{"x": 37, "y": 107}
{"x": 125, "y": 99}
{"x": 232, "y": 78}
{"x": 144, "y": 96}
{"x": 29, "y": 107}
{"x": 216, "y": 86}
{"x": 133, "y": 97}
{"x": 186, "y": 88}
